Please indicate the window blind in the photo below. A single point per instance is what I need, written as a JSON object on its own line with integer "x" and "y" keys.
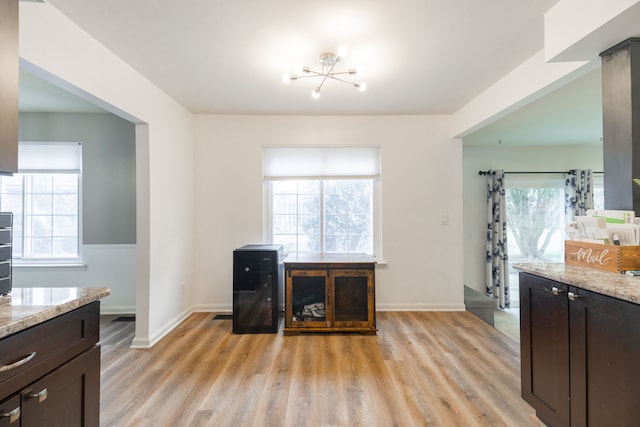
{"x": 320, "y": 162}
{"x": 50, "y": 157}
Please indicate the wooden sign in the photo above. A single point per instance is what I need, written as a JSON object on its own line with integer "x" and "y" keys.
{"x": 613, "y": 258}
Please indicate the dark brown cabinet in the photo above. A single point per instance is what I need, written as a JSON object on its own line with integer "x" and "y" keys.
{"x": 579, "y": 355}
{"x": 329, "y": 295}
{"x": 9, "y": 86}
{"x": 50, "y": 373}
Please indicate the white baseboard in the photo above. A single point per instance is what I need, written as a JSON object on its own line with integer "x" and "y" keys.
{"x": 145, "y": 343}
{"x": 118, "y": 310}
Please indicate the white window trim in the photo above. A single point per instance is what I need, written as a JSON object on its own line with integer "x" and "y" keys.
{"x": 74, "y": 167}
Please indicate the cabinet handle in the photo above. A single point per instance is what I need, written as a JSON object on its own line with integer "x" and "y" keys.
{"x": 41, "y": 395}
{"x": 556, "y": 291}
{"x": 573, "y": 296}
{"x": 24, "y": 359}
{"x": 12, "y": 415}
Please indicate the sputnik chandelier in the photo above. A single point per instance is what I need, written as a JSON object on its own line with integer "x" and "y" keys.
{"x": 328, "y": 60}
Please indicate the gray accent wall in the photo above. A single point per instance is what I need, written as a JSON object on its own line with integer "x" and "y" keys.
{"x": 109, "y": 169}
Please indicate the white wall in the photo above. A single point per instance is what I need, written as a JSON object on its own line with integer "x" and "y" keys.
{"x": 421, "y": 178}
{"x": 54, "y": 48}
{"x": 513, "y": 159}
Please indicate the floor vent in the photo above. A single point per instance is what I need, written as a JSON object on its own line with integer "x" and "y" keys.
{"x": 223, "y": 317}
{"x": 125, "y": 319}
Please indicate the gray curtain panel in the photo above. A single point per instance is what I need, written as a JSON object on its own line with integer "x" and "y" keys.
{"x": 497, "y": 263}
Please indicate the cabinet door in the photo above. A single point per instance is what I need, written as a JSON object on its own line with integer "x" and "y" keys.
{"x": 9, "y": 86}
{"x": 10, "y": 412}
{"x": 353, "y": 299}
{"x": 307, "y": 297}
{"x": 605, "y": 352}
{"x": 544, "y": 348}
{"x": 67, "y": 397}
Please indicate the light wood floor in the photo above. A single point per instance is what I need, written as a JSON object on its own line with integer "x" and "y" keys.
{"x": 427, "y": 368}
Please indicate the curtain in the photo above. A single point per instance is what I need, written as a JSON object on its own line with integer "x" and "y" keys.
{"x": 578, "y": 193}
{"x": 497, "y": 268}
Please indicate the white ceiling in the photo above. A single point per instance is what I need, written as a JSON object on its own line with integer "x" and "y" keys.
{"x": 228, "y": 56}
{"x": 420, "y": 57}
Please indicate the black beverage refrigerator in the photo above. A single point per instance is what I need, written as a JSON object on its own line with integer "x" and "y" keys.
{"x": 258, "y": 285}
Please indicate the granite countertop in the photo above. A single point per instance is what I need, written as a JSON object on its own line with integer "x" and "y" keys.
{"x": 26, "y": 307}
{"x": 615, "y": 285}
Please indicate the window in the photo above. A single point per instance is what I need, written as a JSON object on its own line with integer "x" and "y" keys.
{"x": 323, "y": 199}
{"x": 535, "y": 215}
{"x": 45, "y": 200}
{"x": 323, "y": 215}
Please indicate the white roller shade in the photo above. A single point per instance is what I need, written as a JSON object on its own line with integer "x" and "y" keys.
{"x": 320, "y": 162}
{"x": 50, "y": 157}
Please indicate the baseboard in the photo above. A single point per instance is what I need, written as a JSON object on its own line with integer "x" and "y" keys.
{"x": 118, "y": 310}
{"x": 145, "y": 343}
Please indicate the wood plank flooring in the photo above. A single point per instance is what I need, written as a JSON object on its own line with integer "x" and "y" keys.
{"x": 421, "y": 369}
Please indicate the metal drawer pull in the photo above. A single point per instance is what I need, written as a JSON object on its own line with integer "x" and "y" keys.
{"x": 41, "y": 395}
{"x": 573, "y": 296}
{"x": 12, "y": 415}
{"x": 556, "y": 291}
{"x": 19, "y": 362}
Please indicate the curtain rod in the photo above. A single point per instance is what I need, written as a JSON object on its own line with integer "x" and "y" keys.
{"x": 536, "y": 172}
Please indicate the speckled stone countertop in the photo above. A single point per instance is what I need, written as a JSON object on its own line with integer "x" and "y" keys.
{"x": 616, "y": 285}
{"x": 26, "y": 307}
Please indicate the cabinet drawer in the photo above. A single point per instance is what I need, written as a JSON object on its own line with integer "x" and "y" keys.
{"x": 5, "y": 252}
{"x": 5, "y": 236}
{"x": 5, "y": 268}
{"x": 29, "y": 354}
{"x": 6, "y": 219}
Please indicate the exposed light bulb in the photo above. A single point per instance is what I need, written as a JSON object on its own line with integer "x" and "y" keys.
{"x": 286, "y": 78}
{"x": 342, "y": 51}
{"x": 316, "y": 93}
{"x": 362, "y": 86}
{"x": 297, "y": 67}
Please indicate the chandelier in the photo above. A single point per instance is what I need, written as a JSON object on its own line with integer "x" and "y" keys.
{"x": 328, "y": 60}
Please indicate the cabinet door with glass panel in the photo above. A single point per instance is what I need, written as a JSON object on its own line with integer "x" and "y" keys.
{"x": 306, "y": 299}
{"x": 353, "y": 296}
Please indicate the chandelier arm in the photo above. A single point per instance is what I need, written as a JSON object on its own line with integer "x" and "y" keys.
{"x": 341, "y": 80}
{"x": 304, "y": 76}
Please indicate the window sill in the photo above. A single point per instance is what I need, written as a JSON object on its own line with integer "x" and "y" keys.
{"x": 50, "y": 265}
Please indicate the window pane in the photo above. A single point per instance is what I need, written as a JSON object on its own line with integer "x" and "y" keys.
{"x": 38, "y": 247}
{"x": 535, "y": 220}
{"x": 64, "y": 247}
{"x": 327, "y": 216}
{"x": 65, "y": 226}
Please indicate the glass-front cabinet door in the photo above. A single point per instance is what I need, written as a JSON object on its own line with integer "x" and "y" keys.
{"x": 308, "y": 306}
